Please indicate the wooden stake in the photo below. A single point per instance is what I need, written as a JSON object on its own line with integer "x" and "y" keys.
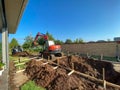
{"x": 104, "y": 81}
{"x": 95, "y": 72}
{"x": 42, "y": 55}
{"x": 19, "y": 60}
{"x": 48, "y": 57}
{"x": 72, "y": 66}
{"x": 18, "y": 67}
{"x": 103, "y": 74}
{"x": 68, "y": 53}
{"x": 58, "y": 61}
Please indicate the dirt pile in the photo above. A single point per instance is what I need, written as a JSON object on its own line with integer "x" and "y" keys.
{"x": 58, "y": 79}
{"x": 46, "y": 76}
{"x": 22, "y": 54}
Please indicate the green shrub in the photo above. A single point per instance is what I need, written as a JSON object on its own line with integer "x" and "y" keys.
{"x": 1, "y": 65}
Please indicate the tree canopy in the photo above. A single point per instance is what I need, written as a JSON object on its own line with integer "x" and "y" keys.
{"x": 13, "y": 43}
{"x": 68, "y": 41}
{"x": 58, "y": 42}
{"x": 28, "y": 42}
{"x": 78, "y": 40}
{"x": 50, "y": 36}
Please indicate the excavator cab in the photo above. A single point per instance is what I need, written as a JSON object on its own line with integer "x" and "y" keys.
{"x": 52, "y": 48}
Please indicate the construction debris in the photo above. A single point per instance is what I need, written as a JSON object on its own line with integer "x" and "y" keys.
{"x": 62, "y": 79}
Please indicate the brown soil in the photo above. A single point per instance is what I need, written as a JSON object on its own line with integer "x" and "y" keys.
{"x": 24, "y": 54}
{"x": 57, "y": 79}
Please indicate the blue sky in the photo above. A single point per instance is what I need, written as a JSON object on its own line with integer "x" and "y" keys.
{"x": 90, "y": 20}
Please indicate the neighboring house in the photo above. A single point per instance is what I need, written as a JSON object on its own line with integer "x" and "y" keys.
{"x": 10, "y": 15}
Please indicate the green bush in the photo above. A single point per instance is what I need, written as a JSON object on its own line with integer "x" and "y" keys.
{"x": 30, "y": 85}
{"x": 1, "y": 65}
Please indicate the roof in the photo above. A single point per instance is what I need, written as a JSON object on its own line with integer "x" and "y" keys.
{"x": 10, "y": 13}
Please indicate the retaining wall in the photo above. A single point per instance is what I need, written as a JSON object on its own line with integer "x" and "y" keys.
{"x": 107, "y": 49}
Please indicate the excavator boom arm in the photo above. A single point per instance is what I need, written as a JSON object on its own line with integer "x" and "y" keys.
{"x": 45, "y": 37}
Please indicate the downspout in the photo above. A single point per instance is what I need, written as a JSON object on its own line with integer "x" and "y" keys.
{"x": 4, "y": 34}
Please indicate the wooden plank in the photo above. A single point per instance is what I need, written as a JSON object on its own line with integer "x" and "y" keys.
{"x": 22, "y": 60}
{"x": 20, "y": 71}
{"x": 45, "y": 63}
{"x": 25, "y": 59}
{"x": 19, "y": 64}
{"x": 55, "y": 67}
{"x": 39, "y": 59}
{"x": 70, "y": 72}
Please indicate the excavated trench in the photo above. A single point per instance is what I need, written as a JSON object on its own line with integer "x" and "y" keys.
{"x": 58, "y": 79}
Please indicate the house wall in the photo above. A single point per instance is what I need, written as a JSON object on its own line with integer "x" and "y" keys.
{"x": 0, "y": 47}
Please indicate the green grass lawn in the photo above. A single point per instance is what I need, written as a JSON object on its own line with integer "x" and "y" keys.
{"x": 30, "y": 85}
{"x": 105, "y": 58}
{"x": 16, "y": 58}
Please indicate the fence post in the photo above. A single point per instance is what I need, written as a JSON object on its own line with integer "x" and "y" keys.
{"x": 101, "y": 57}
{"x": 118, "y": 58}
{"x": 87, "y": 55}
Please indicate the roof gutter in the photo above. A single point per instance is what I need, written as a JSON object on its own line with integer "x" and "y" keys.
{"x": 24, "y": 2}
{"x": 2, "y": 5}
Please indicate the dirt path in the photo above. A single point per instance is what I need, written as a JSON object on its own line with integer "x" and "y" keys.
{"x": 16, "y": 79}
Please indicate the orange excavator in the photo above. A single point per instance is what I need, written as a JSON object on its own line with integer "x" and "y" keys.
{"x": 49, "y": 48}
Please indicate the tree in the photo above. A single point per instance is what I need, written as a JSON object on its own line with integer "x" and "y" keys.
{"x": 41, "y": 41}
{"x": 13, "y": 43}
{"x": 58, "y": 42}
{"x": 76, "y": 40}
{"x": 79, "y": 40}
{"x": 50, "y": 37}
{"x": 68, "y": 41}
{"x": 28, "y": 42}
